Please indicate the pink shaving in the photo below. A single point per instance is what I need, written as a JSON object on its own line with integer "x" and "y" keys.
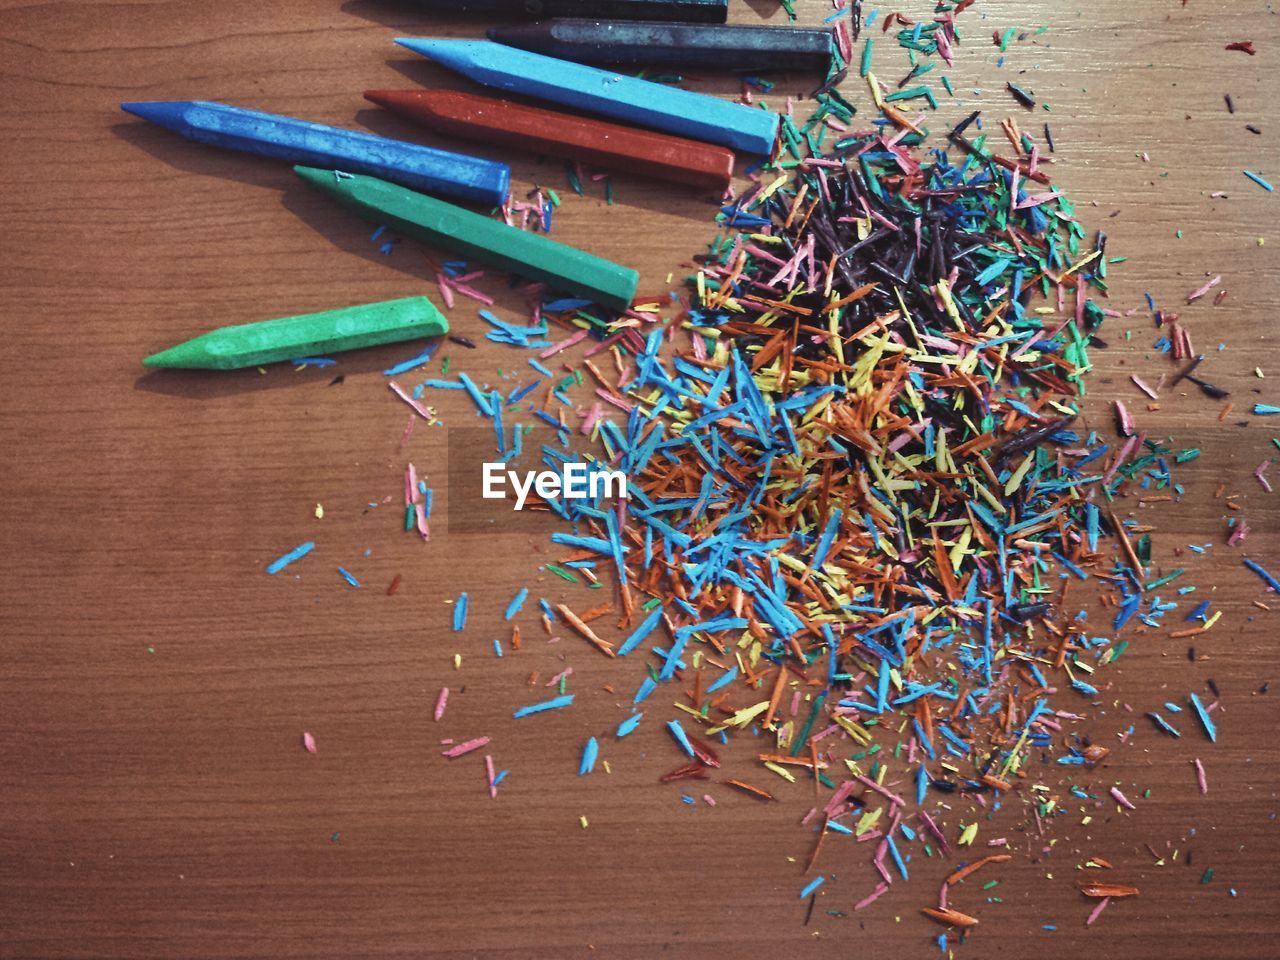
{"x": 878, "y": 862}
{"x": 466, "y": 747}
{"x": 445, "y": 293}
{"x": 883, "y": 791}
{"x": 1121, "y": 799}
{"x": 616, "y": 401}
{"x": 1120, "y": 459}
{"x": 1142, "y": 385}
{"x": 563, "y": 345}
{"x": 566, "y": 672}
{"x": 1262, "y": 468}
{"x": 1125, "y": 421}
{"x": 872, "y": 897}
{"x": 592, "y": 418}
{"x": 474, "y": 294}
{"x": 418, "y": 408}
{"x": 602, "y": 345}
{"x": 1038, "y": 198}
{"x": 1201, "y": 291}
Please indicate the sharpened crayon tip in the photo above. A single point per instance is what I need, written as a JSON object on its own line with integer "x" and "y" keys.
{"x": 175, "y": 358}
{"x": 138, "y": 108}
{"x": 315, "y": 175}
{"x": 163, "y": 113}
{"x": 414, "y": 104}
{"x": 445, "y": 52}
{"x": 421, "y": 46}
{"x": 388, "y": 99}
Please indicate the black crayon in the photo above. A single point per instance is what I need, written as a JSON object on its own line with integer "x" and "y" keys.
{"x": 689, "y": 45}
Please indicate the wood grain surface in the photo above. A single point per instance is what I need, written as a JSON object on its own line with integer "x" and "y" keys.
{"x": 155, "y": 801}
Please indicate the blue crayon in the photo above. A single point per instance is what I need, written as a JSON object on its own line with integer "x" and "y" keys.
{"x": 621, "y": 97}
{"x": 299, "y": 141}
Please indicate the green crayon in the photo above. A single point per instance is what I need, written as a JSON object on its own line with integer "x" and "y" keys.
{"x": 433, "y": 221}
{"x": 348, "y": 328}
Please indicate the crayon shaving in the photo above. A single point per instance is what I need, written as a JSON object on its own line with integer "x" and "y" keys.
{"x": 297, "y": 553}
{"x": 490, "y": 777}
{"x": 442, "y": 701}
{"x": 467, "y": 747}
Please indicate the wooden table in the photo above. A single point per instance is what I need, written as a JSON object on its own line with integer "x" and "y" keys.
{"x": 155, "y": 800}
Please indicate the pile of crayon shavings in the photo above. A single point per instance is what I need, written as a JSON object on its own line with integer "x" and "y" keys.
{"x": 862, "y": 492}
{"x": 859, "y": 499}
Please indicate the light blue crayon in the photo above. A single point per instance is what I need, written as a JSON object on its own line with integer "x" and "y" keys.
{"x": 602, "y": 92}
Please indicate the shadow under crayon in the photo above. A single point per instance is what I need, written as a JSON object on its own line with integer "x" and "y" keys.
{"x": 340, "y": 227}
{"x": 216, "y": 384}
{"x": 768, "y": 9}
{"x": 351, "y": 234}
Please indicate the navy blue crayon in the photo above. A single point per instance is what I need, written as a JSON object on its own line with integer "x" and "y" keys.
{"x": 624, "y": 98}
{"x": 315, "y": 144}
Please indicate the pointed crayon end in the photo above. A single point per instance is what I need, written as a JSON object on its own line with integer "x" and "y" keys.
{"x": 464, "y": 56}
{"x": 147, "y": 110}
{"x": 390, "y": 99}
{"x": 164, "y": 359}
{"x": 314, "y": 175}
{"x": 170, "y": 114}
{"x": 441, "y": 50}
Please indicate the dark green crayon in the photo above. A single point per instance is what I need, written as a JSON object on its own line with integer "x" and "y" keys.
{"x": 268, "y": 341}
{"x": 433, "y": 221}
